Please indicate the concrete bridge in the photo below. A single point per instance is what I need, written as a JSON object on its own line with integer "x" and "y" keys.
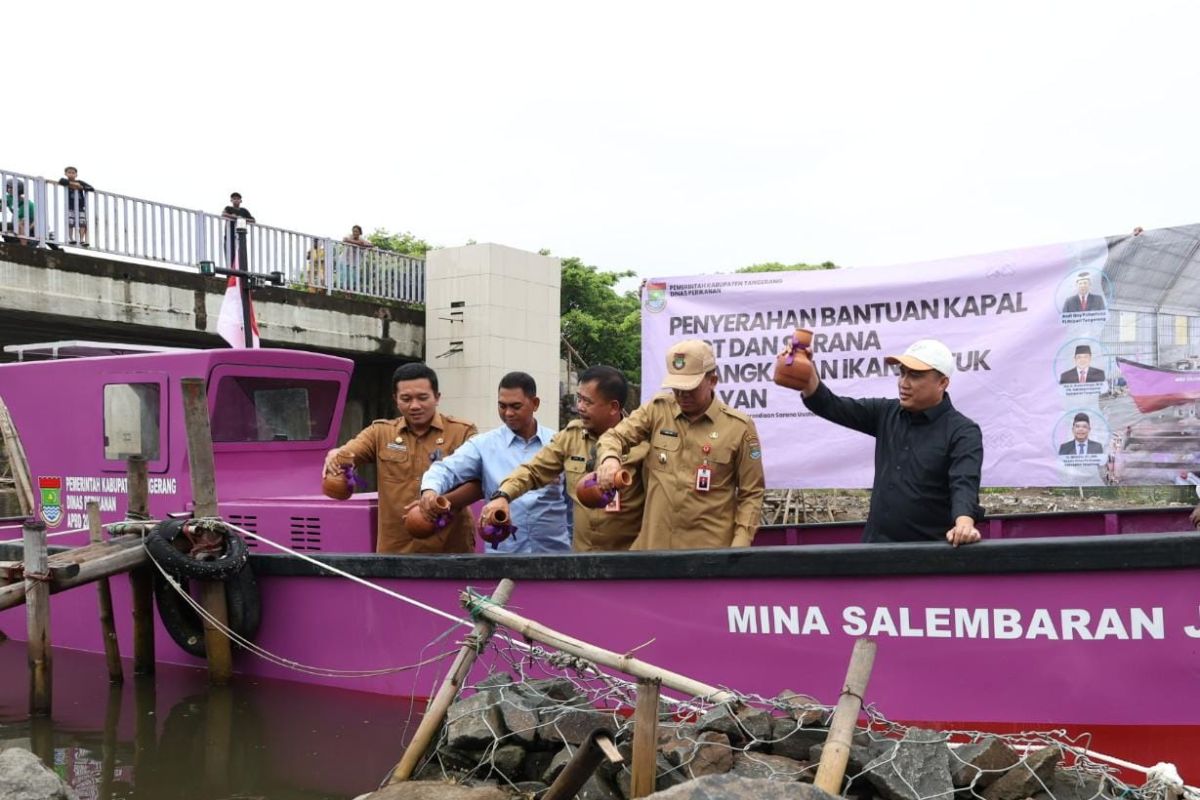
{"x": 49, "y": 295}
{"x": 489, "y": 309}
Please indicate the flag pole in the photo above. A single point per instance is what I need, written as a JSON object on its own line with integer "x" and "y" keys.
{"x": 244, "y": 284}
{"x": 246, "y": 281}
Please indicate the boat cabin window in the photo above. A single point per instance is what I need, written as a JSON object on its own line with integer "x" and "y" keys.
{"x": 251, "y": 408}
{"x": 131, "y": 420}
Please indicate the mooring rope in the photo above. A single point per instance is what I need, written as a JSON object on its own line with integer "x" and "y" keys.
{"x": 361, "y": 581}
{"x": 278, "y": 660}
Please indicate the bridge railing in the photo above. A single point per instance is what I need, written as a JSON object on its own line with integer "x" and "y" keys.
{"x": 44, "y": 213}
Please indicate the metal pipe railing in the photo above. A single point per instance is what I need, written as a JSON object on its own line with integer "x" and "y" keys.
{"x": 41, "y": 212}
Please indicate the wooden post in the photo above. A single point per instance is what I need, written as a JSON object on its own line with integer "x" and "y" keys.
{"x": 41, "y": 738}
{"x": 218, "y": 738}
{"x": 112, "y": 651}
{"x": 645, "y": 738}
{"x": 145, "y": 722}
{"x": 836, "y": 753}
{"x": 439, "y": 704}
{"x": 204, "y": 493}
{"x": 596, "y": 748}
{"x": 108, "y": 746}
{"x": 141, "y": 579}
{"x": 37, "y": 606}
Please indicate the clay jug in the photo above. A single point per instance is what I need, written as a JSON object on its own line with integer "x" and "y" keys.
{"x": 793, "y": 367}
{"x": 589, "y": 493}
{"x": 419, "y": 526}
{"x": 495, "y": 526}
{"x": 337, "y": 487}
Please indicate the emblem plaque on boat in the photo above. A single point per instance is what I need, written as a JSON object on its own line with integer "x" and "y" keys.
{"x": 51, "y": 496}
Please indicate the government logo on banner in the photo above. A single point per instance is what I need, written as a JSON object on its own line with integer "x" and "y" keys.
{"x": 51, "y": 496}
{"x": 656, "y": 296}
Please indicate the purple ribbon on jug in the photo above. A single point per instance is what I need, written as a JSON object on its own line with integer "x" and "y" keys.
{"x": 495, "y": 534}
{"x": 353, "y": 480}
{"x": 608, "y": 495}
{"x": 793, "y": 347}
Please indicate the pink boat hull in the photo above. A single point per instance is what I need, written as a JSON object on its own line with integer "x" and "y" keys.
{"x": 1156, "y": 388}
{"x": 1051, "y": 633}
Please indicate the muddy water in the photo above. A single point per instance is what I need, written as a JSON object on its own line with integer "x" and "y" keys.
{"x": 172, "y": 737}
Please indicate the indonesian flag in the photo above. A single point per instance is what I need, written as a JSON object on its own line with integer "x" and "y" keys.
{"x": 229, "y": 322}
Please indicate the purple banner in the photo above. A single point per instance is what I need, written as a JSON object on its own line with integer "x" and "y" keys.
{"x": 1059, "y": 358}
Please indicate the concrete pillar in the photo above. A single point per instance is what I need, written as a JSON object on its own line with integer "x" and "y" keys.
{"x": 491, "y": 309}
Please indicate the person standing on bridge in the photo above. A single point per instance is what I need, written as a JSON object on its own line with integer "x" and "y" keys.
{"x": 233, "y": 212}
{"x": 928, "y": 455}
{"x": 77, "y": 191}
{"x": 704, "y": 473}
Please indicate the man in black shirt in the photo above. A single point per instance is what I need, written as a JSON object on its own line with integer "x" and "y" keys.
{"x": 928, "y": 455}
{"x": 233, "y": 212}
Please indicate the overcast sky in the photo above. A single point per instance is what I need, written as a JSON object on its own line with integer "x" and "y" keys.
{"x": 664, "y": 137}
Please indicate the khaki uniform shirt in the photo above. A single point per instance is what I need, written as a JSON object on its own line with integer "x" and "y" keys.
{"x": 401, "y": 458}
{"x": 572, "y": 454}
{"x": 676, "y": 515}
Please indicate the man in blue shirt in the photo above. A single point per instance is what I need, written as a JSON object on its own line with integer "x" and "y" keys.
{"x": 542, "y": 517}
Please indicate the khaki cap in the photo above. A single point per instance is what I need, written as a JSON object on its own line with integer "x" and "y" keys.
{"x": 687, "y": 364}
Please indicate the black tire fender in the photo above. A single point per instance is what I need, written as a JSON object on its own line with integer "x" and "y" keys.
{"x": 161, "y": 544}
{"x": 183, "y": 623}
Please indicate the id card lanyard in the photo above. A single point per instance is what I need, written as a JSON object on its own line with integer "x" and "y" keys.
{"x": 704, "y": 471}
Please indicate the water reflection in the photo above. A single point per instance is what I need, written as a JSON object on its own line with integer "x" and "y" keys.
{"x": 171, "y": 736}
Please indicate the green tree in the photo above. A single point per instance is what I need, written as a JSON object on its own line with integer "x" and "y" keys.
{"x": 601, "y": 324}
{"x": 775, "y": 266}
{"x": 404, "y": 243}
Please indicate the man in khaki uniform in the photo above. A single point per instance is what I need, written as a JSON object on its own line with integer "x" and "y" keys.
{"x": 572, "y": 453}
{"x": 704, "y": 474}
{"x": 402, "y": 450}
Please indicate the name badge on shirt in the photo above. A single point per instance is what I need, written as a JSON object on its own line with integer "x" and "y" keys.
{"x": 615, "y": 505}
{"x": 703, "y": 478}
{"x": 401, "y": 447}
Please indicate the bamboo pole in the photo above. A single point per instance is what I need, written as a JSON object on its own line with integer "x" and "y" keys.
{"x": 18, "y": 464}
{"x": 836, "y": 753}
{"x": 204, "y": 496}
{"x": 625, "y": 663}
{"x": 112, "y": 650}
{"x": 141, "y": 579}
{"x": 37, "y": 606}
{"x": 118, "y": 555}
{"x": 440, "y": 703}
{"x": 645, "y": 738}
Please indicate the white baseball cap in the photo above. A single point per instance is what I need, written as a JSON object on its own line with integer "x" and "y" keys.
{"x": 926, "y": 354}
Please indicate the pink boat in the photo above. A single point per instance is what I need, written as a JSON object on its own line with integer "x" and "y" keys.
{"x": 1156, "y": 388}
{"x": 1076, "y": 621}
